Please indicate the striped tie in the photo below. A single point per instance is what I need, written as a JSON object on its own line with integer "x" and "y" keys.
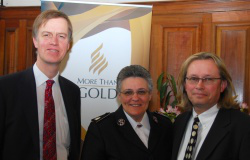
{"x": 49, "y": 128}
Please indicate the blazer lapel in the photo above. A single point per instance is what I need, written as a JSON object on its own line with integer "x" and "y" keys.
{"x": 155, "y": 132}
{"x": 29, "y": 98}
{"x": 126, "y": 129}
{"x": 179, "y": 130}
{"x": 217, "y": 132}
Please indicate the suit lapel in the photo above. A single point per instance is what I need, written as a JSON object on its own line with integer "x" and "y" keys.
{"x": 155, "y": 132}
{"x": 29, "y": 98}
{"x": 179, "y": 130}
{"x": 215, "y": 135}
{"x": 127, "y": 131}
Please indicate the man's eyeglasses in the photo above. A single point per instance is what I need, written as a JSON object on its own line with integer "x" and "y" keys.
{"x": 130, "y": 93}
{"x": 196, "y": 80}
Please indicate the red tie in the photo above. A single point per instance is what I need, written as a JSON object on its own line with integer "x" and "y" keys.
{"x": 49, "y": 128}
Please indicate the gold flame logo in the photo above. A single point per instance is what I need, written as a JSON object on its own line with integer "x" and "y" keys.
{"x": 98, "y": 61}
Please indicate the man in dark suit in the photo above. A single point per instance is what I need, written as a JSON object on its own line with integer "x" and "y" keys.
{"x": 206, "y": 91}
{"x": 131, "y": 132}
{"x": 23, "y": 100}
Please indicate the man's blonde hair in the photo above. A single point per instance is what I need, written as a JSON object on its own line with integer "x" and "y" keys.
{"x": 43, "y": 18}
{"x": 227, "y": 97}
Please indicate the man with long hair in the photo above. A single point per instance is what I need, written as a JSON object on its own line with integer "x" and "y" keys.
{"x": 212, "y": 127}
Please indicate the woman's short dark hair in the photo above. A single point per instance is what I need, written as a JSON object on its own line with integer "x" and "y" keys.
{"x": 134, "y": 71}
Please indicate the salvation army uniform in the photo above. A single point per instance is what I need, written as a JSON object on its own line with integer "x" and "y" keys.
{"x": 111, "y": 136}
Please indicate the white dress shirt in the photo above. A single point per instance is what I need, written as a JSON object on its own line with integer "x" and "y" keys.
{"x": 206, "y": 120}
{"x": 145, "y": 127}
{"x": 62, "y": 126}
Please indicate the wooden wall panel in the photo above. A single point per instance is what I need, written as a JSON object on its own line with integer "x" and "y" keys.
{"x": 31, "y": 51}
{"x": 198, "y": 6}
{"x": 22, "y": 47}
{"x": 207, "y": 35}
{"x": 16, "y": 46}
{"x": 220, "y": 27}
{"x": 2, "y": 43}
{"x": 231, "y": 44}
{"x": 173, "y": 39}
{"x": 232, "y": 16}
{"x": 155, "y": 61}
{"x": 10, "y": 59}
{"x": 179, "y": 43}
{"x": 247, "y": 72}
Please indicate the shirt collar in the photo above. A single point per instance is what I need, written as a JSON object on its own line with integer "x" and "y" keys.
{"x": 144, "y": 121}
{"x": 41, "y": 78}
{"x": 208, "y": 115}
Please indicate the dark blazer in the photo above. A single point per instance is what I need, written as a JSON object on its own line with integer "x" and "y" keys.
{"x": 228, "y": 138}
{"x": 106, "y": 140}
{"x": 19, "y": 130}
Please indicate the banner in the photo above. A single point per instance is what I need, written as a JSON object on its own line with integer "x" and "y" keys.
{"x": 106, "y": 38}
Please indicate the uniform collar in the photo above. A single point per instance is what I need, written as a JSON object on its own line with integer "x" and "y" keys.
{"x": 144, "y": 121}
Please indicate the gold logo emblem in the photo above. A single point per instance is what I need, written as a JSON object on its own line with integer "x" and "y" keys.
{"x": 98, "y": 61}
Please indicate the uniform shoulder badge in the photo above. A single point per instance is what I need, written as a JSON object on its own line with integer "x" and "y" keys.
{"x": 99, "y": 118}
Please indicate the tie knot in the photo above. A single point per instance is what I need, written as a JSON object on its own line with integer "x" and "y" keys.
{"x": 50, "y": 83}
{"x": 139, "y": 125}
{"x": 196, "y": 119}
